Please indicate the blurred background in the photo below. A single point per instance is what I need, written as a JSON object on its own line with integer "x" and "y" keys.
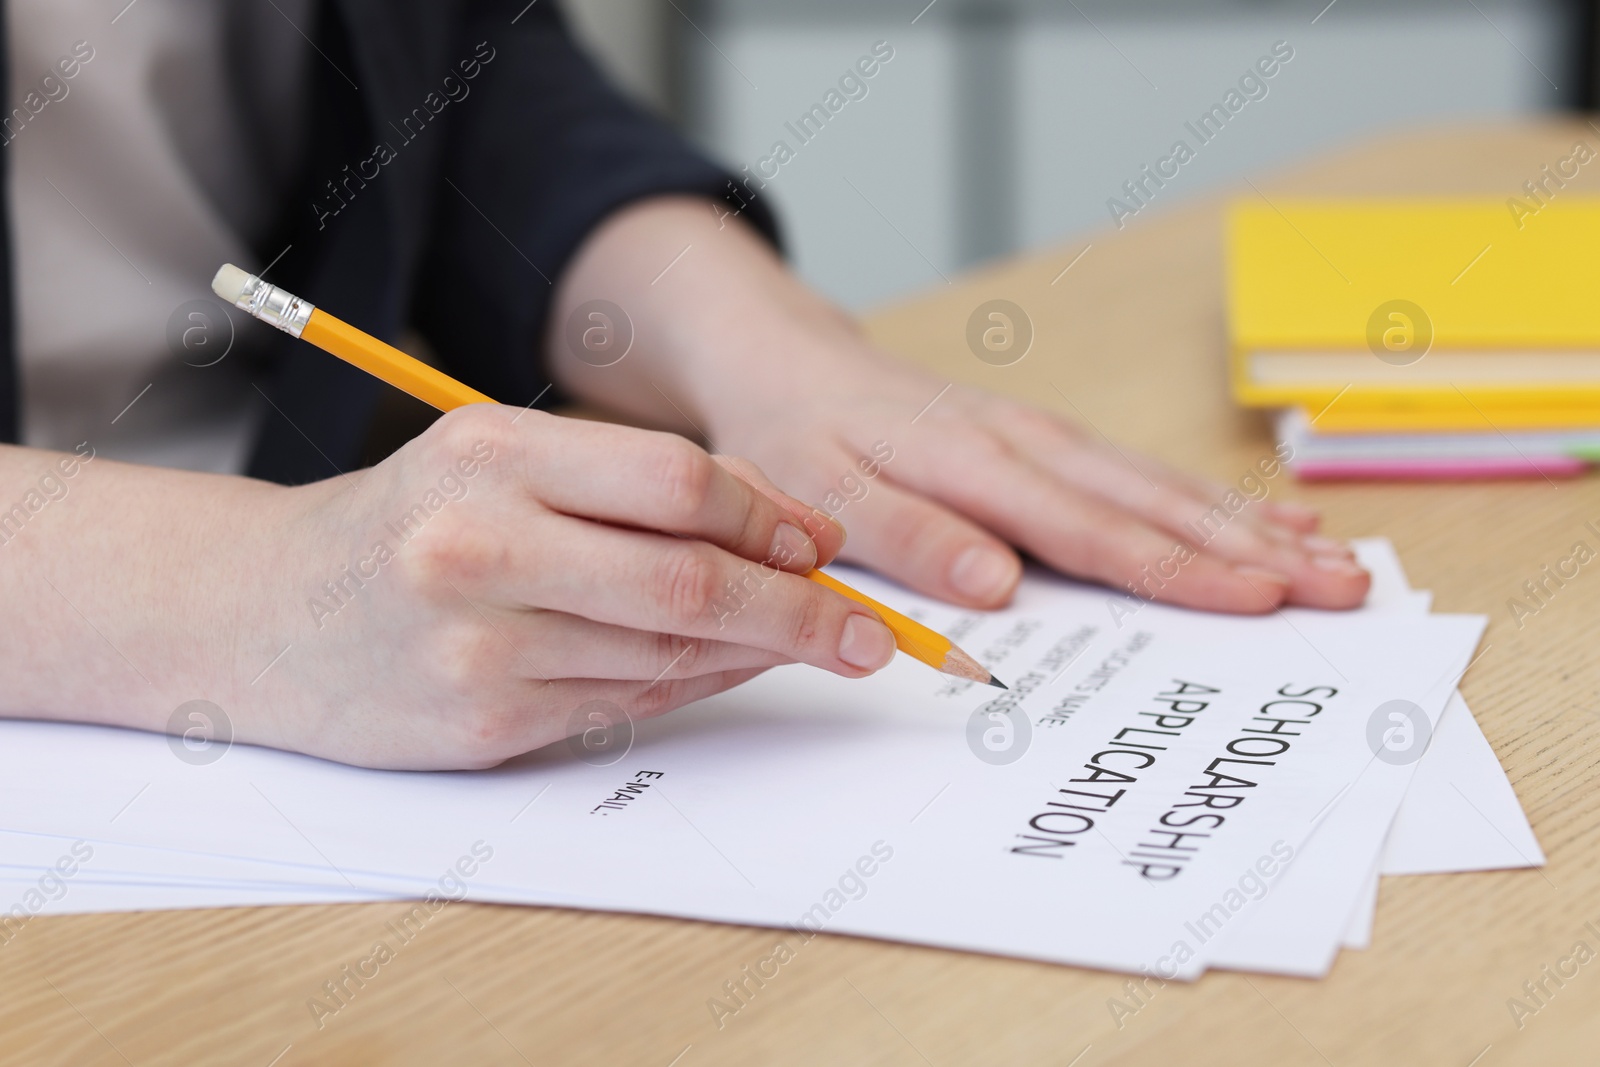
{"x": 1007, "y": 124}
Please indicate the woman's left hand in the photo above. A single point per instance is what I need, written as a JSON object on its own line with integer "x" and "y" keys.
{"x": 940, "y": 493}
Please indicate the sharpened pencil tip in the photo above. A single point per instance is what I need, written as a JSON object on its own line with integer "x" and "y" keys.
{"x": 997, "y": 683}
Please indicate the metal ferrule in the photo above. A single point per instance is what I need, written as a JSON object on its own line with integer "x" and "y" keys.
{"x": 276, "y": 306}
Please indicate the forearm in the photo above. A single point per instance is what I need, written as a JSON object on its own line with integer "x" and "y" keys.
{"x": 715, "y": 315}
{"x": 117, "y": 608}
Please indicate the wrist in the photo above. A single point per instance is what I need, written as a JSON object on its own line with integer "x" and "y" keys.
{"x": 721, "y": 330}
{"x": 749, "y": 392}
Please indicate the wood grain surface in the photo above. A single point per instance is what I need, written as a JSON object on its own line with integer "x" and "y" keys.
{"x": 1130, "y": 340}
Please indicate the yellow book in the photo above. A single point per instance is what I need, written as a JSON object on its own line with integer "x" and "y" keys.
{"x": 1438, "y": 415}
{"x": 1400, "y": 305}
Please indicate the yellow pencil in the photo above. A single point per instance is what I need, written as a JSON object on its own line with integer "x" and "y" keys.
{"x": 915, "y": 639}
{"x": 301, "y": 319}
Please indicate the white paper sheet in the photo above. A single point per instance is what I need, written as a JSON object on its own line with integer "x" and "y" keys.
{"x": 1458, "y": 762}
{"x": 1458, "y": 815}
{"x": 1300, "y": 919}
{"x": 142, "y": 866}
{"x": 773, "y": 798}
{"x": 1358, "y": 933}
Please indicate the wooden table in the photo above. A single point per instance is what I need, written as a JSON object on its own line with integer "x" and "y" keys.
{"x": 1133, "y": 335}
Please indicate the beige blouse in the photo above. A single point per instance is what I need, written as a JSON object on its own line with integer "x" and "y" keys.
{"x": 146, "y": 148}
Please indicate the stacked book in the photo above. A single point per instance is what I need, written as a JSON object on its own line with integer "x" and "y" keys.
{"x": 1421, "y": 339}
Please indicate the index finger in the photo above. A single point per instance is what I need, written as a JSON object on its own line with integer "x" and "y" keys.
{"x": 660, "y": 481}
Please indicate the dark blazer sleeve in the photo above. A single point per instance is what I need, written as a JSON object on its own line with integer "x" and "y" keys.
{"x": 541, "y": 151}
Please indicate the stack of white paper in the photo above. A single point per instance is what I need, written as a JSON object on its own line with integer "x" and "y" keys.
{"x": 1161, "y": 791}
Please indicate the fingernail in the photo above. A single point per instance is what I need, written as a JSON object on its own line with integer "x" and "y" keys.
{"x": 866, "y": 643}
{"x": 982, "y": 573}
{"x": 1338, "y": 565}
{"x": 831, "y": 521}
{"x": 1256, "y": 575}
{"x": 791, "y": 547}
{"x": 1326, "y": 546}
{"x": 1297, "y": 511}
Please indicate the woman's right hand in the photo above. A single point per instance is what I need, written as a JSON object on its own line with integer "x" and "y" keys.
{"x": 463, "y": 601}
